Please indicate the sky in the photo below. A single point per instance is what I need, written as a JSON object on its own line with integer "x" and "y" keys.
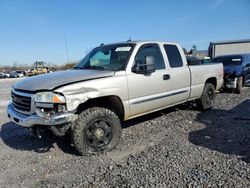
{"x": 32, "y": 30}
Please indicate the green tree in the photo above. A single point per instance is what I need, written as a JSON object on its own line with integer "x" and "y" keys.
{"x": 193, "y": 49}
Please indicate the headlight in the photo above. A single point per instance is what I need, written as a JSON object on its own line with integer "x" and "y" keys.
{"x": 49, "y": 97}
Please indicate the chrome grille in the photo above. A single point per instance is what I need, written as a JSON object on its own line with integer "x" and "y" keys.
{"x": 22, "y": 103}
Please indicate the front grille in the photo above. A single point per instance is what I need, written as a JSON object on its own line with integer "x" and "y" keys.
{"x": 22, "y": 103}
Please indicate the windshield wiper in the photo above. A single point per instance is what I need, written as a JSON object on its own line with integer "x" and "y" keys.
{"x": 94, "y": 67}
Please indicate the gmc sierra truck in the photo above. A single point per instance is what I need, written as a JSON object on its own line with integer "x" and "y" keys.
{"x": 112, "y": 84}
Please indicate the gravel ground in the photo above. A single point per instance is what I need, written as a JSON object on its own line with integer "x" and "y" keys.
{"x": 177, "y": 147}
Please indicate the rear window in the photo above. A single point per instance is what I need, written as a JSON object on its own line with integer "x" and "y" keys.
{"x": 174, "y": 56}
{"x": 228, "y": 60}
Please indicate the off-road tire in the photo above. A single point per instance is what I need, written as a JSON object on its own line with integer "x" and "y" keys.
{"x": 206, "y": 101}
{"x": 88, "y": 118}
{"x": 239, "y": 85}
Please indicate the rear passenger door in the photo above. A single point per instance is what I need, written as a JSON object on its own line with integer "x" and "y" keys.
{"x": 151, "y": 91}
{"x": 180, "y": 73}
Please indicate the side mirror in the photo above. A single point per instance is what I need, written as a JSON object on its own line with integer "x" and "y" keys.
{"x": 144, "y": 66}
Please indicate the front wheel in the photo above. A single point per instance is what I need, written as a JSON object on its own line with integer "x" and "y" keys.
{"x": 206, "y": 101}
{"x": 96, "y": 130}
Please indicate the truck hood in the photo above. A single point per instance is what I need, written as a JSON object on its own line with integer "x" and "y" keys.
{"x": 233, "y": 69}
{"x": 56, "y": 79}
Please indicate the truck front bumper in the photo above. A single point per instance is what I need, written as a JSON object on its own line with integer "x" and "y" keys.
{"x": 32, "y": 120}
{"x": 231, "y": 83}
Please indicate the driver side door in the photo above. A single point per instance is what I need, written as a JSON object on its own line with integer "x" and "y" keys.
{"x": 148, "y": 92}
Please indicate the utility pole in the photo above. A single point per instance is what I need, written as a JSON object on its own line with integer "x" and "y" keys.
{"x": 66, "y": 47}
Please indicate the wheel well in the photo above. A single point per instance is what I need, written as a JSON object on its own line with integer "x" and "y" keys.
{"x": 113, "y": 103}
{"x": 212, "y": 81}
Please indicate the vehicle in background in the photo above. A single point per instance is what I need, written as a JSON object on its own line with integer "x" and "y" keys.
{"x": 39, "y": 68}
{"x": 17, "y": 74}
{"x": 20, "y": 73}
{"x": 3, "y": 75}
{"x": 236, "y": 70}
{"x": 13, "y": 74}
{"x": 206, "y": 60}
{"x": 113, "y": 83}
{"x": 7, "y": 74}
{"x": 30, "y": 72}
{"x": 193, "y": 60}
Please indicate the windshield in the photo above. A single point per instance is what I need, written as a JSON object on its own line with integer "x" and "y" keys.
{"x": 229, "y": 60}
{"x": 110, "y": 57}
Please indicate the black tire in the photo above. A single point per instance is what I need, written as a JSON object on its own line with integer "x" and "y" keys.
{"x": 96, "y": 130}
{"x": 206, "y": 101}
{"x": 239, "y": 85}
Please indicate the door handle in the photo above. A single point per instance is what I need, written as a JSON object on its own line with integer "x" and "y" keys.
{"x": 166, "y": 77}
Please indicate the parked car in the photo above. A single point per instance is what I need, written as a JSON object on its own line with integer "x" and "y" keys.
{"x": 112, "y": 84}
{"x": 30, "y": 72}
{"x": 236, "y": 70}
{"x": 3, "y": 75}
{"x": 20, "y": 73}
{"x": 13, "y": 74}
{"x": 16, "y": 74}
{"x": 7, "y": 74}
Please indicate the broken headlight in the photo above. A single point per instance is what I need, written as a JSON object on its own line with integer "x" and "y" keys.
{"x": 49, "y": 103}
{"x": 49, "y": 97}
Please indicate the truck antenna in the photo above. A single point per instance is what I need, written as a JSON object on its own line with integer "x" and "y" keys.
{"x": 129, "y": 40}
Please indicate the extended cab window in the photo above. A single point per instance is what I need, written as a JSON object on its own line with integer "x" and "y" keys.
{"x": 174, "y": 56}
{"x": 152, "y": 50}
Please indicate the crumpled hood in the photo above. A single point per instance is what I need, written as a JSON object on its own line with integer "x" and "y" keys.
{"x": 233, "y": 69}
{"x": 56, "y": 79}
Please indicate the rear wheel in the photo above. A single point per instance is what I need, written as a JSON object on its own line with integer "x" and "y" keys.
{"x": 239, "y": 85}
{"x": 207, "y": 98}
{"x": 96, "y": 130}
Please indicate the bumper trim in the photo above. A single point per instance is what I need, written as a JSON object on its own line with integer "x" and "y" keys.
{"x": 231, "y": 83}
{"x": 32, "y": 120}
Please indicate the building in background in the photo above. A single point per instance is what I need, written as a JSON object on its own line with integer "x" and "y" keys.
{"x": 228, "y": 47}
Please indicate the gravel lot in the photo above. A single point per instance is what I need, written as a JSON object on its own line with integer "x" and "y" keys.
{"x": 177, "y": 147}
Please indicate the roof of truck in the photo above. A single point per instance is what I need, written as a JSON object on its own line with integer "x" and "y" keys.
{"x": 140, "y": 42}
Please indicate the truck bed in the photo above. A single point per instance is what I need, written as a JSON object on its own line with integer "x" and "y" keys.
{"x": 199, "y": 75}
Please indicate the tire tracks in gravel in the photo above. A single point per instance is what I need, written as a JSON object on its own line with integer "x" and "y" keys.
{"x": 155, "y": 130}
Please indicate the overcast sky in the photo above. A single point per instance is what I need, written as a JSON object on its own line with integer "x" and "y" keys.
{"x": 33, "y": 30}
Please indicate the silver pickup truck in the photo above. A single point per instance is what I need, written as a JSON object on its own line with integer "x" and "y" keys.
{"x": 113, "y": 83}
